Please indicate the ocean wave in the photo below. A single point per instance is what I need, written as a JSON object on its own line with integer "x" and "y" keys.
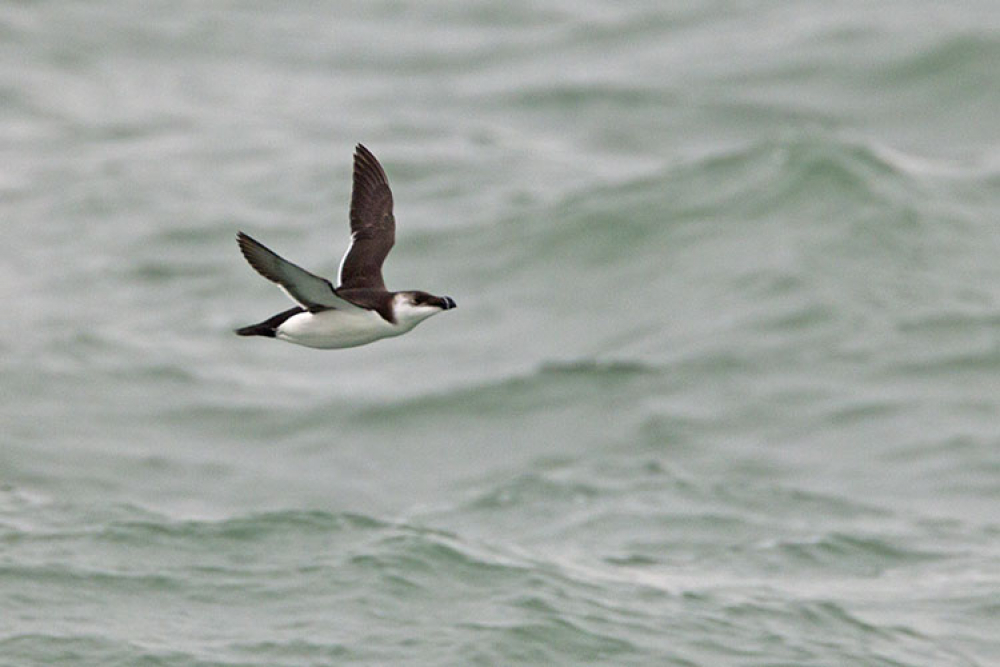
{"x": 423, "y": 557}
{"x": 816, "y": 181}
{"x": 863, "y": 555}
{"x": 54, "y": 648}
{"x": 254, "y": 527}
{"x": 550, "y": 382}
{"x": 533, "y": 488}
{"x": 960, "y": 63}
{"x": 795, "y": 171}
{"x": 86, "y": 581}
{"x": 295, "y": 651}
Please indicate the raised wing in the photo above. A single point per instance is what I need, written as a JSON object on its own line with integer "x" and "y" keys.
{"x": 373, "y": 229}
{"x": 313, "y": 292}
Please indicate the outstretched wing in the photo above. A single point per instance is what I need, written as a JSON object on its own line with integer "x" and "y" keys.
{"x": 373, "y": 229}
{"x": 313, "y": 292}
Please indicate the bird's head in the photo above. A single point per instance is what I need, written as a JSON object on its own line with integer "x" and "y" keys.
{"x": 412, "y": 308}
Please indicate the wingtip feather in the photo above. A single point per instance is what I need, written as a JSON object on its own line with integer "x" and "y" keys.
{"x": 244, "y": 240}
{"x": 367, "y": 166}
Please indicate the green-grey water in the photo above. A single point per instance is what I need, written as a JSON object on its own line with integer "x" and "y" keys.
{"x": 722, "y": 387}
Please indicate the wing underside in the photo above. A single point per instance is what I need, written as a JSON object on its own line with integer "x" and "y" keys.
{"x": 311, "y": 291}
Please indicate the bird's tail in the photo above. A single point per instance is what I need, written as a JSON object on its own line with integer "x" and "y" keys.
{"x": 261, "y": 329}
{"x": 269, "y": 326}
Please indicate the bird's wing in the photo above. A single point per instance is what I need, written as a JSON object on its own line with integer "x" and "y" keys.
{"x": 313, "y": 292}
{"x": 373, "y": 229}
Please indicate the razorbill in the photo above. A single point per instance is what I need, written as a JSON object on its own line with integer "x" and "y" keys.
{"x": 359, "y": 310}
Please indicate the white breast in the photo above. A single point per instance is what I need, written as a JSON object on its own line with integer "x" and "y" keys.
{"x": 330, "y": 329}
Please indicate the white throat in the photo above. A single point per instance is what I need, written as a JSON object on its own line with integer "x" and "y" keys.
{"x": 408, "y": 315}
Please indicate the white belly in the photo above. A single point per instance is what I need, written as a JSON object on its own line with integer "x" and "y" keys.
{"x": 336, "y": 328}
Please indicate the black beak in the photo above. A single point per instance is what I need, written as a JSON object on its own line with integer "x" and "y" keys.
{"x": 447, "y": 302}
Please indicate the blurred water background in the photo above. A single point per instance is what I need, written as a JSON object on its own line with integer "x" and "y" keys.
{"x": 722, "y": 387}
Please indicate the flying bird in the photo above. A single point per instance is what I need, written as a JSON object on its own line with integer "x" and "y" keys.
{"x": 359, "y": 310}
